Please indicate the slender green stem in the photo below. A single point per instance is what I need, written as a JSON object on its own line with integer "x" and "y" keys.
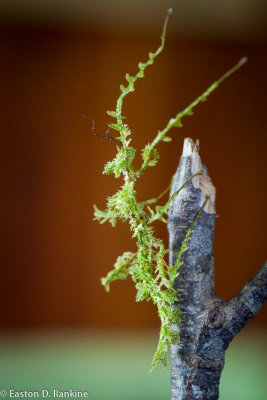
{"x": 188, "y": 233}
{"x": 140, "y": 74}
{"x": 164, "y": 209}
{"x": 176, "y": 121}
{"x": 156, "y": 199}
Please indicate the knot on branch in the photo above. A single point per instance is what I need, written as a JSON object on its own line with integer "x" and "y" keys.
{"x": 215, "y": 318}
{"x": 206, "y": 363}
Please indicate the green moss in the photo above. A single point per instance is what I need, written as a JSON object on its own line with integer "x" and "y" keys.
{"x": 148, "y": 268}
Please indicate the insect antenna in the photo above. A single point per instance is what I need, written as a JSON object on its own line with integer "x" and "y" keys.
{"x": 106, "y": 136}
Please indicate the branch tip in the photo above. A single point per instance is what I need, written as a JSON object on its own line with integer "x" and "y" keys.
{"x": 243, "y": 61}
{"x": 169, "y": 13}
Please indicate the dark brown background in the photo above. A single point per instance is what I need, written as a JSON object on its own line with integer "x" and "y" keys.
{"x": 52, "y": 254}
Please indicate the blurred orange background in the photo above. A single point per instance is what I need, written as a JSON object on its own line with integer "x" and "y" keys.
{"x": 55, "y": 68}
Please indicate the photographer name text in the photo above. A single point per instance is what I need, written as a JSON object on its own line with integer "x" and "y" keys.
{"x": 44, "y": 393}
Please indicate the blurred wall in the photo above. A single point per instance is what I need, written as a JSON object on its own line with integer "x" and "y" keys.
{"x": 52, "y": 254}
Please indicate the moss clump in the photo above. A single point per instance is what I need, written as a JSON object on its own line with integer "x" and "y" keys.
{"x": 148, "y": 268}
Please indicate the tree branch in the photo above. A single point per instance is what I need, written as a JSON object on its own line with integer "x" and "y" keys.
{"x": 245, "y": 304}
{"x": 208, "y": 323}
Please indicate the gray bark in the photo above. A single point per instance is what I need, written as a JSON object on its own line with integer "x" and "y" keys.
{"x": 208, "y": 323}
